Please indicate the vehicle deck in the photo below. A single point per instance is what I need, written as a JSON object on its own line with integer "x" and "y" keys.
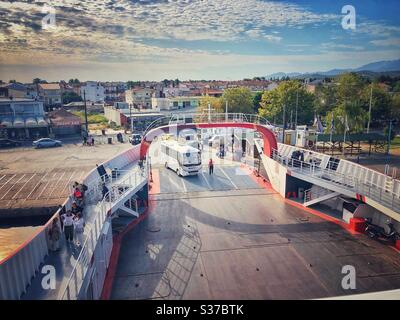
{"x": 227, "y": 237}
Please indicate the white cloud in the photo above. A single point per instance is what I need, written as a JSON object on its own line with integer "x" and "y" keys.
{"x": 272, "y": 38}
{"x": 386, "y": 42}
{"x": 106, "y": 41}
{"x": 334, "y": 45}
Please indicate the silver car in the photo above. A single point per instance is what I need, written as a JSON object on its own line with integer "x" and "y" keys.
{"x": 46, "y": 143}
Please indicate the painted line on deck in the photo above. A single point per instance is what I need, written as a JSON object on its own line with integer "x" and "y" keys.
{"x": 12, "y": 186}
{"x": 230, "y": 180}
{"x": 56, "y": 185}
{"x": 7, "y": 181}
{"x": 34, "y": 188}
{"x": 183, "y": 183}
{"x": 46, "y": 186}
{"x": 204, "y": 177}
{"x": 15, "y": 195}
{"x": 169, "y": 178}
{"x": 68, "y": 182}
{"x": 3, "y": 176}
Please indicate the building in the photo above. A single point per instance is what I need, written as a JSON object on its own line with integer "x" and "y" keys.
{"x": 80, "y": 106}
{"x": 93, "y": 92}
{"x": 65, "y": 123}
{"x": 121, "y": 105}
{"x": 139, "y": 97}
{"x": 128, "y": 118}
{"x": 175, "y": 103}
{"x": 311, "y": 86}
{"x": 50, "y": 94}
{"x": 22, "y": 118}
{"x": 114, "y": 91}
{"x": 15, "y": 90}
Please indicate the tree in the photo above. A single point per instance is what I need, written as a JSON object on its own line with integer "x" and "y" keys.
{"x": 325, "y": 99}
{"x": 74, "y": 81}
{"x": 288, "y": 94}
{"x": 396, "y": 87}
{"x": 68, "y": 97}
{"x": 240, "y": 100}
{"x": 256, "y": 101}
{"x": 381, "y": 102}
{"x": 131, "y": 84}
{"x": 395, "y": 106}
{"x": 217, "y": 104}
{"x": 350, "y": 87}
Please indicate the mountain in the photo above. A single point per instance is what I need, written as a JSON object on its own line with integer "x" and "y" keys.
{"x": 381, "y": 66}
{"x": 279, "y": 75}
{"x": 375, "y": 67}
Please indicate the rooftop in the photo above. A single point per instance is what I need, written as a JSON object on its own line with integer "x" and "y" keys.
{"x": 17, "y": 100}
{"x": 50, "y": 86}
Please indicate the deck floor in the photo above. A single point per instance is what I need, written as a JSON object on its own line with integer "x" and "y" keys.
{"x": 225, "y": 237}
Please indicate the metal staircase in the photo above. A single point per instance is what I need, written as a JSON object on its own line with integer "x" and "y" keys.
{"x": 317, "y": 194}
{"x": 343, "y": 183}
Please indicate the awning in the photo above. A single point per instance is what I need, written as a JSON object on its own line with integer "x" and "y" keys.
{"x": 41, "y": 122}
{"x": 19, "y": 123}
{"x": 31, "y": 122}
{"x": 6, "y": 123}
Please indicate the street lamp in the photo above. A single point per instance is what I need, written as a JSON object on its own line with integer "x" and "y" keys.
{"x": 370, "y": 109}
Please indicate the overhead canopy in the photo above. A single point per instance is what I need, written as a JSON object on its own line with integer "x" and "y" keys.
{"x": 352, "y": 137}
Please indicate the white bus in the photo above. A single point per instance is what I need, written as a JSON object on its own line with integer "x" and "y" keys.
{"x": 183, "y": 159}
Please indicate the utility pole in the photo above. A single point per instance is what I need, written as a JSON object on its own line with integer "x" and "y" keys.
{"x": 389, "y": 138}
{"x": 345, "y": 131}
{"x": 226, "y": 111}
{"x": 291, "y": 119}
{"x": 130, "y": 117}
{"x": 297, "y": 105}
{"x": 370, "y": 109}
{"x": 86, "y": 117}
{"x": 284, "y": 123}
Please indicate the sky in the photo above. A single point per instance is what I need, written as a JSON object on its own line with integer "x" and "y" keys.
{"x": 112, "y": 40}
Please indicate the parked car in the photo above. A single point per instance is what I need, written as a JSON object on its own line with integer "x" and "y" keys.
{"x": 46, "y": 143}
{"x": 8, "y": 143}
{"x": 135, "y": 139}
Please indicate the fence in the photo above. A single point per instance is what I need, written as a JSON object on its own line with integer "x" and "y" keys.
{"x": 19, "y": 268}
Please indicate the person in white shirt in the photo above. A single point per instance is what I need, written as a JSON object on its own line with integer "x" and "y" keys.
{"x": 79, "y": 226}
{"x": 68, "y": 222}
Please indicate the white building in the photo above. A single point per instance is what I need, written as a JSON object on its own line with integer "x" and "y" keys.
{"x": 139, "y": 97}
{"x": 94, "y": 91}
{"x": 174, "y": 103}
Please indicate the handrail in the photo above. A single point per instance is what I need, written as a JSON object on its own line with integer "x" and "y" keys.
{"x": 347, "y": 181}
{"x": 103, "y": 209}
{"x": 208, "y": 118}
{"x": 19, "y": 267}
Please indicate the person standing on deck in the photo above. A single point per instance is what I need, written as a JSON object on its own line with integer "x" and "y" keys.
{"x": 68, "y": 221}
{"x": 79, "y": 227}
{"x": 104, "y": 191}
{"x": 55, "y": 235}
{"x": 210, "y": 167}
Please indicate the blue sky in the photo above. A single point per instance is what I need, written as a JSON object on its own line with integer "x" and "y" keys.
{"x": 191, "y": 39}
